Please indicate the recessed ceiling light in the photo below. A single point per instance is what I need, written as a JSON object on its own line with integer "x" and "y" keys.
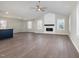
{"x": 6, "y": 12}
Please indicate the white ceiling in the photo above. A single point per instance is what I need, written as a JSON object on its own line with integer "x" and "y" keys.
{"x": 24, "y": 9}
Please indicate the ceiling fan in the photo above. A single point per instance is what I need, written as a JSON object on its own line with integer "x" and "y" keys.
{"x": 39, "y": 8}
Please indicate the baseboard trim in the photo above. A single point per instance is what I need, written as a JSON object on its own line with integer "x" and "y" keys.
{"x": 52, "y": 33}
{"x": 74, "y": 43}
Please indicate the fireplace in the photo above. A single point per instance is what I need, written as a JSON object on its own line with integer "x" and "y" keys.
{"x": 49, "y": 29}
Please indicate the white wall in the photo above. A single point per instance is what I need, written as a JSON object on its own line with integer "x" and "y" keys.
{"x": 25, "y": 24}
{"x": 73, "y": 27}
{"x": 77, "y": 20}
{"x": 21, "y": 25}
{"x": 52, "y": 18}
{"x": 35, "y": 26}
{"x": 66, "y": 27}
{"x": 49, "y": 18}
{"x": 13, "y": 24}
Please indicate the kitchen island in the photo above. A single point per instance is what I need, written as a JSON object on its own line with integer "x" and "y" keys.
{"x": 6, "y": 33}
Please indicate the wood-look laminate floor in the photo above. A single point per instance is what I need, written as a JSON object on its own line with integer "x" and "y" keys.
{"x": 32, "y": 45}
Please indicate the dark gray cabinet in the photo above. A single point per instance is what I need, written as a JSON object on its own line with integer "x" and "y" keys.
{"x": 6, "y": 33}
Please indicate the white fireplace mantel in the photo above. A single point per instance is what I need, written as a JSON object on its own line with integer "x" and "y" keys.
{"x": 49, "y": 18}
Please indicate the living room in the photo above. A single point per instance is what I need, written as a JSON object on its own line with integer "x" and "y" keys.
{"x": 39, "y": 29}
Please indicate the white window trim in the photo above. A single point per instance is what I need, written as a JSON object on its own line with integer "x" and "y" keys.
{"x": 58, "y": 25}
{"x": 29, "y": 24}
{"x": 3, "y": 24}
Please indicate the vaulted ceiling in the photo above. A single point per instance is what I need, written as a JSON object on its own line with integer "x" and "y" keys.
{"x": 23, "y": 9}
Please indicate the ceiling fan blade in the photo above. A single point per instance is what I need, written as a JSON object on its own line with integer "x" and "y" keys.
{"x": 43, "y": 7}
{"x": 43, "y": 10}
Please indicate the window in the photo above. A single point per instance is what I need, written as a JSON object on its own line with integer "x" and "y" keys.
{"x": 60, "y": 24}
{"x": 29, "y": 24}
{"x": 39, "y": 24}
{"x": 3, "y": 24}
